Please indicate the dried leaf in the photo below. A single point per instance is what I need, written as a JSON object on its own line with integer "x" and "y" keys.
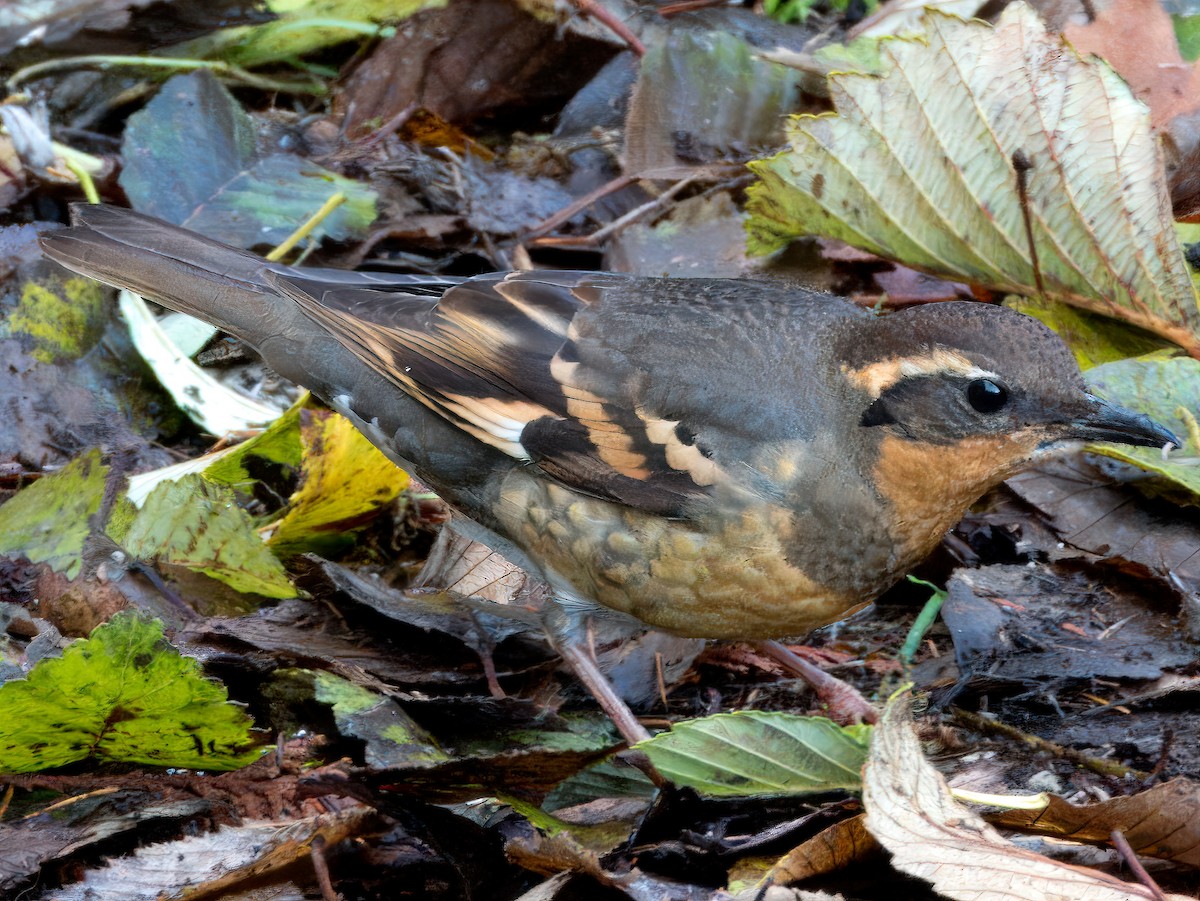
{"x": 932, "y": 837}
{"x": 1159, "y": 822}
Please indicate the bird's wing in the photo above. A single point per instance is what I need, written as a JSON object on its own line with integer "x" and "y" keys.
{"x": 499, "y": 356}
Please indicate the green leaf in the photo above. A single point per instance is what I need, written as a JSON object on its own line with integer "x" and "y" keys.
{"x": 1187, "y": 34}
{"x": 753, "y": 752}
{"x": 392, "y": 738}
{"x": 277, "y": 443}
{"x": 194, "y": 523}
{"x": 921, "y": 163}
{"x": 302, "y": 27}
{"x": 47, "y": 522}
{"x": 123, "y": 694}
{"x": 1167, "y": 389}
{"x": 1094, "y": 339}
{"x": 63, "y": 317}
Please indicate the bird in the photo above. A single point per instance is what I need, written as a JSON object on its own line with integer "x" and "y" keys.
{"x": 717, "y": 458}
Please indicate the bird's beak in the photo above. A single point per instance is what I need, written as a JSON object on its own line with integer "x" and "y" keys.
{"x": 1104, "y": 421}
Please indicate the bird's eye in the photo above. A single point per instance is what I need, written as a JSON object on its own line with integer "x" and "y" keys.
{"x": 986, "y": 396}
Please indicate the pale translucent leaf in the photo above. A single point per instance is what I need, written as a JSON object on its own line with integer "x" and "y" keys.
{"x": 918, "y": 166}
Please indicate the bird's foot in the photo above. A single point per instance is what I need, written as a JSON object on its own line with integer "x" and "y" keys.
{"x": 845, "y": 703}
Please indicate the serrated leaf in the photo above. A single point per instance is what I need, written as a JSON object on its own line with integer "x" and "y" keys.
{"x": 346, "y": 481}
{"x": 123, "y": 694}
{"x": 194, "y": 523}
{"x": 918, "y": 166}
{"x": 47, "y": 522}
{"x": 755, "y": 752}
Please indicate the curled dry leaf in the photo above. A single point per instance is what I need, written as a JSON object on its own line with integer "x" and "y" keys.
{"x": 931, "y": 836}
{"x": 921, "y": 165}
{"x": 1159, "y": 822}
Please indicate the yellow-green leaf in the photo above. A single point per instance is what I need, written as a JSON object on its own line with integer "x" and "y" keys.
{"x": 123, "y": 694}
{"x": 47, "y": 522}
{"x": 345, "y": 482}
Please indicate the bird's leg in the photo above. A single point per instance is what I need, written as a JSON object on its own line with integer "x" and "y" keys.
{"x": 845, "y": 702}
{"x": 584, "y": 664}
{"x": 567, "y": 629}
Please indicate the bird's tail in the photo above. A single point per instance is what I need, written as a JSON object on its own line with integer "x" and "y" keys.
{"x": 175, "y": 267}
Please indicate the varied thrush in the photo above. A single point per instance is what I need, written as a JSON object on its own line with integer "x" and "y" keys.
{"x": 717, "y": 458}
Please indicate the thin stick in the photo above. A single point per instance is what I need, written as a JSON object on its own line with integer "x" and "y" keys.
{"x": 1021, "y": 165}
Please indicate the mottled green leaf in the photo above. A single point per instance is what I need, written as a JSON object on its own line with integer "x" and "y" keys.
{"x": 62, "y": 317}
{"x": 392, "y": 738}
{"x": 197, "y": 524}
{"x": 123, "y": 694}
{"x": 47, "y": 522}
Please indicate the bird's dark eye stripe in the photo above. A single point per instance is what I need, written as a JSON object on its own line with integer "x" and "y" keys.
{"x": 986, "y": 396}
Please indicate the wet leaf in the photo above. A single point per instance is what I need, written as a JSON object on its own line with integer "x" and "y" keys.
{"x": 757, "y": 752}
{"x": 191, "y": 159}
{"x": 63, "y": 317}
{"x": 196, "y": 524}
{"x": 392, "y": 738}
{"x": 123, "y": 694}
{"x": 921, "y": 166}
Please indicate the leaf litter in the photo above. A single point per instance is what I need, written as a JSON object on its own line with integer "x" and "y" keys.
{"x": 444, "y": 695}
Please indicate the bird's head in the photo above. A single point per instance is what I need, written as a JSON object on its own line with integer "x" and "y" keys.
{"x": 942, "y": 374}
{"x": 955, "y": 397}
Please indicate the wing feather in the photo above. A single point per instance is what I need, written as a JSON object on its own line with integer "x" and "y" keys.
{"x": 495, "y": 356}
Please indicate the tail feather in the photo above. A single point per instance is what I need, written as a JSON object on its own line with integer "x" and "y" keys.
{"x": 170, "y": 265}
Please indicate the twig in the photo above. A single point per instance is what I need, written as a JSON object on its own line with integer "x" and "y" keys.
{"x": 982, "y": 724}
{"x": 1131, "y": 860}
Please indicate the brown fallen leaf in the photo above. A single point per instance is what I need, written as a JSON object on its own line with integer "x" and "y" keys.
{"x": 931, "y": 836}
{"x": 207, "y": 865}
{"x": 828, "y": 851}
{"x": 1159, "y": 822}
